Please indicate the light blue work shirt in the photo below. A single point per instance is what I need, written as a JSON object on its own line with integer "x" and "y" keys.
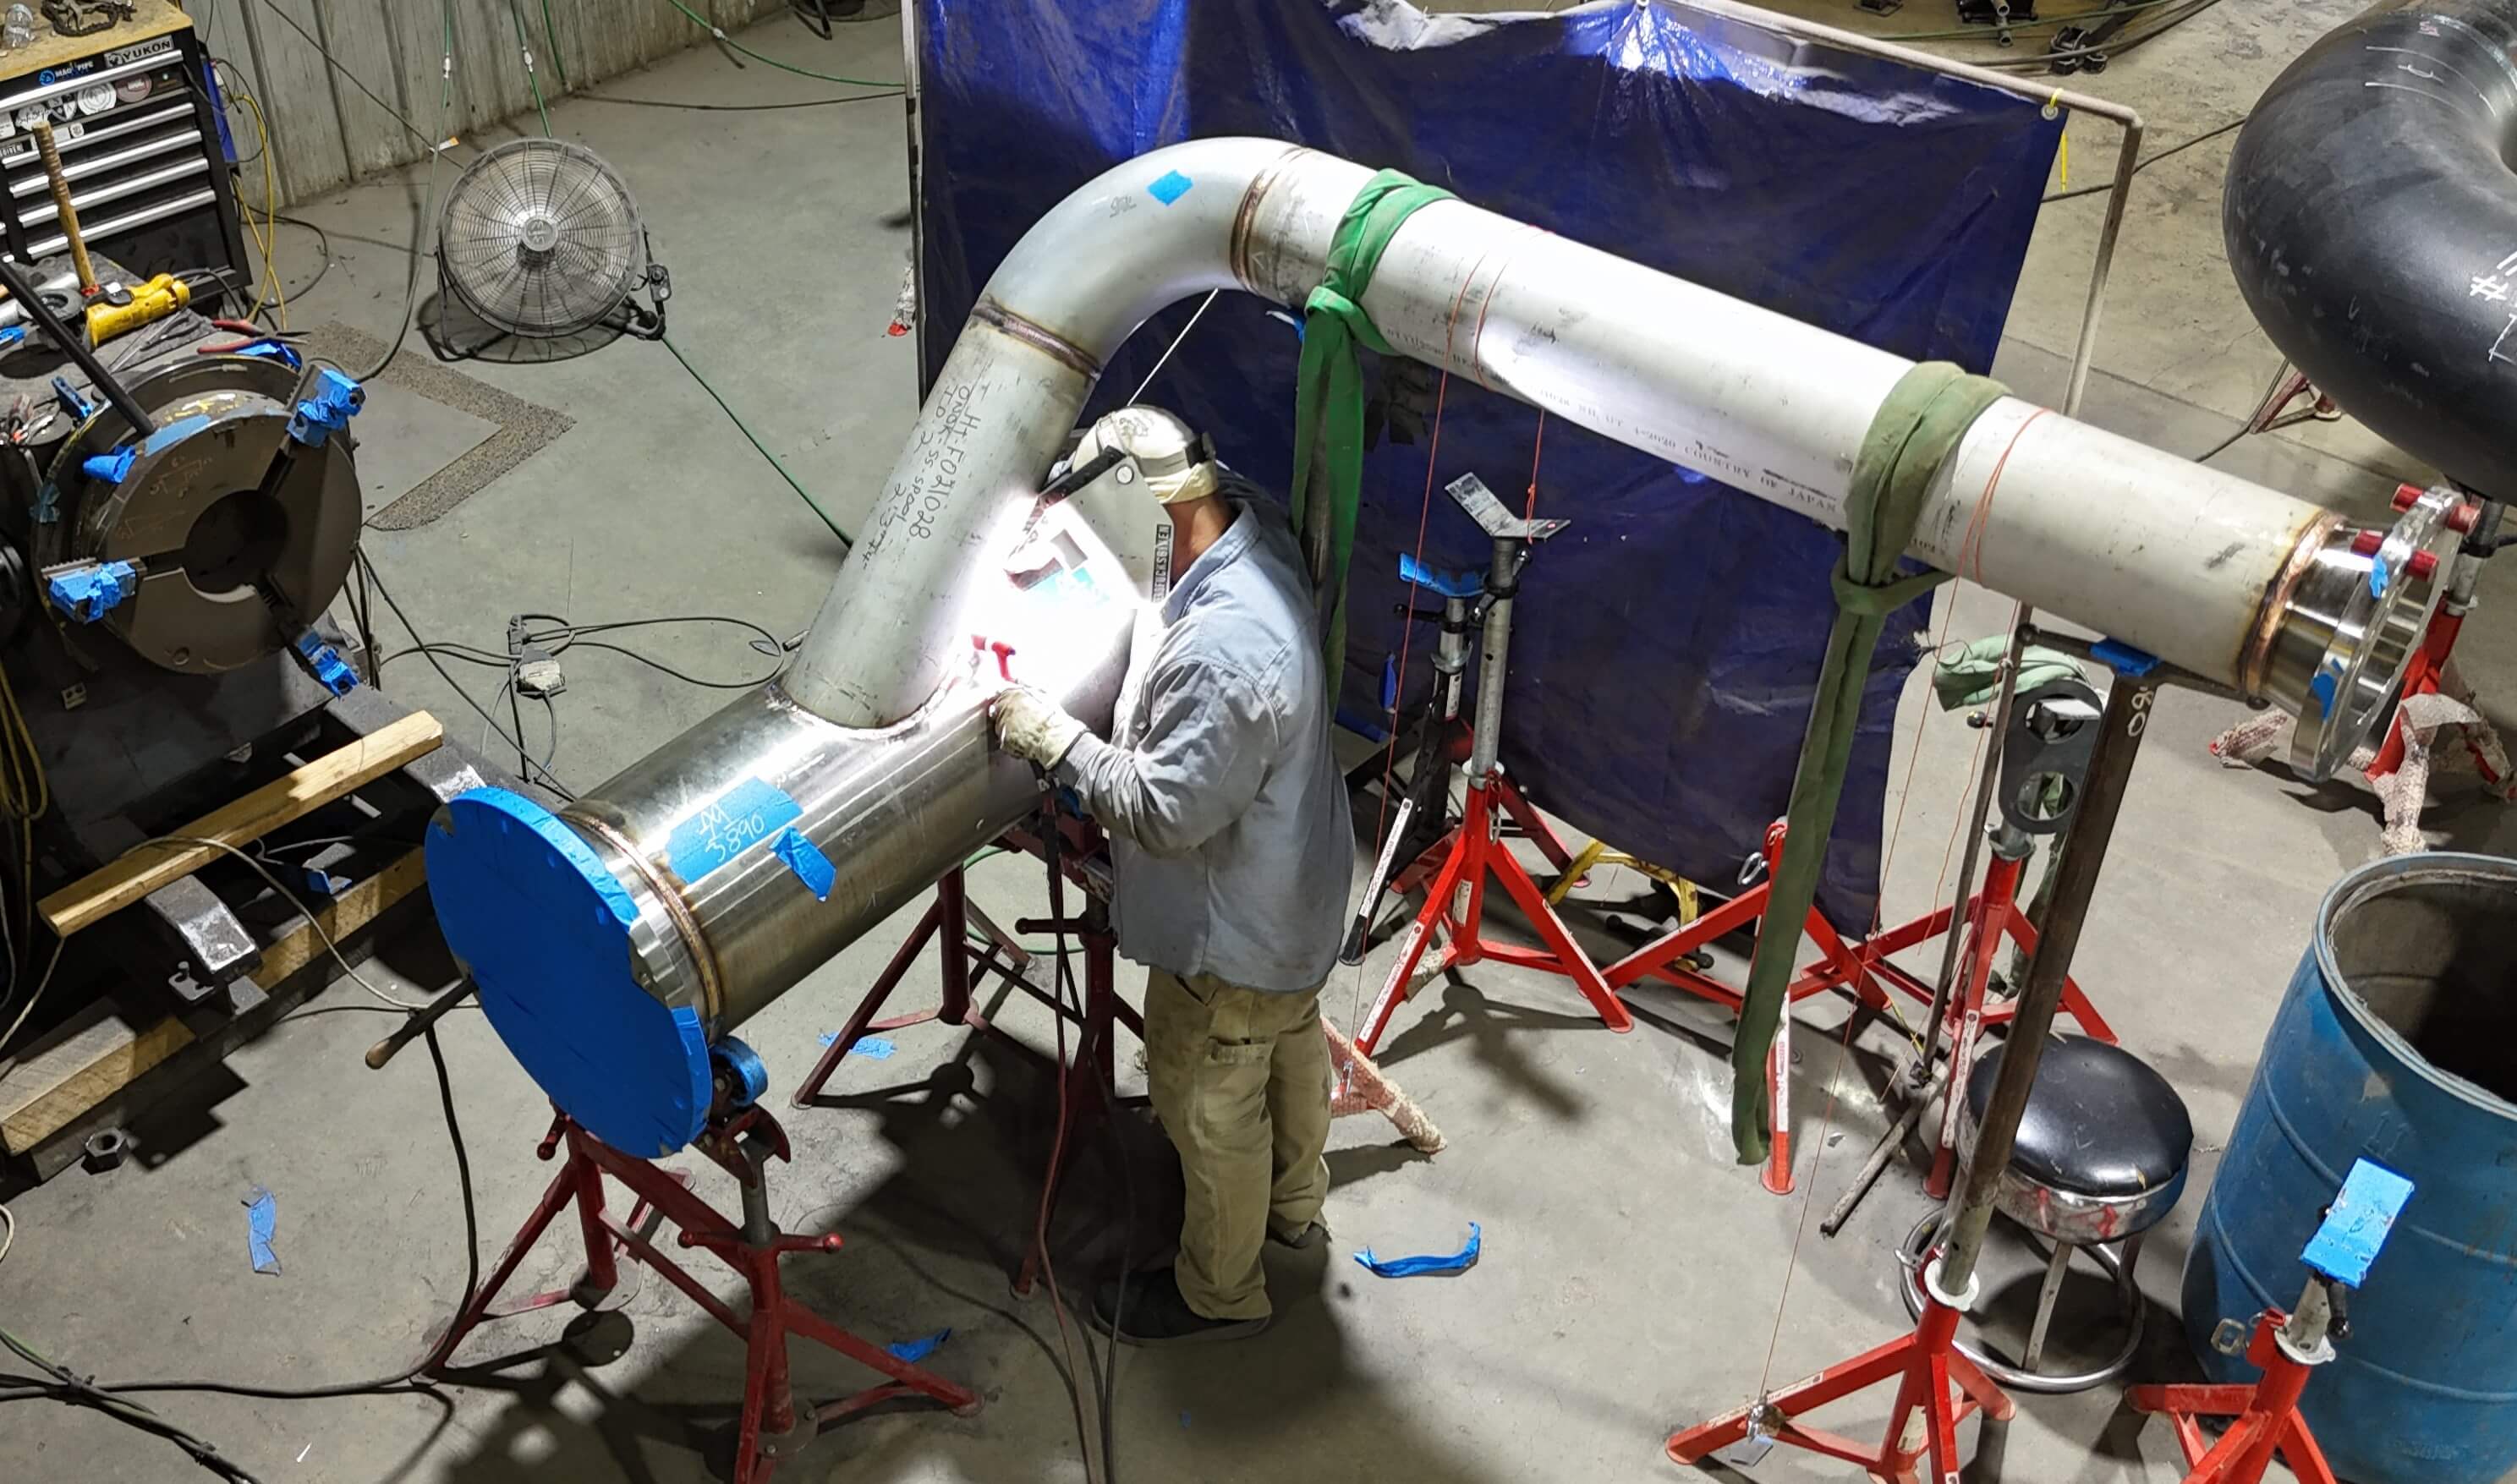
{"x": 1231, "y": 830}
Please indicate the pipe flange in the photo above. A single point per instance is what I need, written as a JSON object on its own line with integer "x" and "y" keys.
{"x": 2350, "y": 622}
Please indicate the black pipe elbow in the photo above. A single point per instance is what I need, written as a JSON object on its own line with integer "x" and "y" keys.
{"x": 2370, "y": 217}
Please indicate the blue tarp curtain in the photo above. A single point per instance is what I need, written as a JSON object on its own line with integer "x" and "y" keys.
{"x": 1666, "y": 646}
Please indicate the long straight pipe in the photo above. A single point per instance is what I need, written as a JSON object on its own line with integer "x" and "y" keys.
{"x": 2162, "y": 552}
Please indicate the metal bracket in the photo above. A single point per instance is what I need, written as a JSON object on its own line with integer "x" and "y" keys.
{"x": 2053, "y": 733}
{"x": 1487, "y": 509}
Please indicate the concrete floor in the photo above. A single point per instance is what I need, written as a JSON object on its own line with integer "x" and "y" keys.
{"x": 1632, "y": 1278}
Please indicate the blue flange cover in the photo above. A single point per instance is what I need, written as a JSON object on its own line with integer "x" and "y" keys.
{"x": 544, "y": 929}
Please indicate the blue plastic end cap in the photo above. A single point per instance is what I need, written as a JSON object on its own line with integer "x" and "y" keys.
{"x": 543, "y": 928}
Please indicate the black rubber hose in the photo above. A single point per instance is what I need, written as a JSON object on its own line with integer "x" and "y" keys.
{"x": 2371, "y": 220}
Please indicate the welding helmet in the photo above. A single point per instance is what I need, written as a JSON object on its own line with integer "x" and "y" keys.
{"x": 1149, "y": 462}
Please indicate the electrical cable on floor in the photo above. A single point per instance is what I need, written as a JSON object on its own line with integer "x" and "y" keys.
{"x": 718, "y": 32}
{"x": 2112, "y": 49}
{"x": 28, "y": 1008}
{"x": 2145, "y": 162}
{"x": 754, "y": 440}
{"x": 428, "y": 197}
{"x": 112, "y": 1400}
{"x": 740, "y": 108}
{"x": 426, "y": 651}
{"x": 1989, "y": 33}
{"x": 1050, "y": 839}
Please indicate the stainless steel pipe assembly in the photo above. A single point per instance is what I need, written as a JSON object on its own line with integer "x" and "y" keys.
{"x": 704, "y": 881}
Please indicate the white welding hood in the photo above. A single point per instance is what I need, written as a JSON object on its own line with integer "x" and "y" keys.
{"x": 615, "y": 941}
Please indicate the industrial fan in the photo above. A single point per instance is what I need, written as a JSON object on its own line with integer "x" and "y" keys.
{"x": 539, "y": 239}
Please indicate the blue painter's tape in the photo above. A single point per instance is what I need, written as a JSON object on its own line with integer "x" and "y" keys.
{"x": 1170, "y": 188}
{"x": 806, "y": 861}
{"x": 2123, "y": 658}
{"x": 916, "y": 1350}
{"x": 744, "y": 815}
{"x": 261, "y": 1226}
{"x": 110, "y": 468}
{"x": 2378, "y": 576}
{"x": 543, "y": 928}
{"x": 1450, "y": 584}
{"x": 89, "y": 593}
{"x": 2320, "y": 688}
{"x": 169, "y": 434}
{"x": 1432, "y": 1262}
{"x": 2342, "y": 1248}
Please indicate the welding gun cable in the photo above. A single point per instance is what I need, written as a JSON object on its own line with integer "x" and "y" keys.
{"x": 425, "y": 650}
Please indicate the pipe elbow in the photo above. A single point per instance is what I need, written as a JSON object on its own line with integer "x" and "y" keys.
{"x": 2370, "y": 219}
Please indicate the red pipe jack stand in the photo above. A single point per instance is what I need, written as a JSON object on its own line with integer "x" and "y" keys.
{"x": 1667, "y": 959}
{"x": 1455, "y": 899}
{"x": 2267, "y": 1420}
{"x": 741, "y": 1138}
{"x": 2286, "y": 1347}
{"x": 1937, "y": 1388}
{"x": 1990, "y": 916}
{"x": 948, "y": 921}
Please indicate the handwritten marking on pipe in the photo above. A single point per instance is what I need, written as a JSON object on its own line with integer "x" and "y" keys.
{"x": 744, "y": 815}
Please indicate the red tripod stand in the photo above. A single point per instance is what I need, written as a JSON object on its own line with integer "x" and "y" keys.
{"x": 1666, "y": 958}
{"x": 950, "y": 921}
{"x": 1990, "y": 916}
{"x": 1937, "y": 1388}
{"x": 2267, "y": 1420}
{"x": 742, "y": 1142}
{"x": 1455, "y": 907}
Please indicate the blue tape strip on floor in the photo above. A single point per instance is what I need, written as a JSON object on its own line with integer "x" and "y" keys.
{"x": 1432, "y": 1262}
{"x": 741, "y": 817}
{"x": 261, "y": 1226}
{"x": 916, "y": 1350}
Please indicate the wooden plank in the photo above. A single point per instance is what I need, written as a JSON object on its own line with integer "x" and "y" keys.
{"x": 350, "y": 911}
{"x": 100, "y": 1051}
{"x": 97, "y": 1053}
{"x": 115, "y": 886}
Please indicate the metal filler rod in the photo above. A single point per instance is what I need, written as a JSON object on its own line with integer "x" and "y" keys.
{"x": 2075, "y": 882}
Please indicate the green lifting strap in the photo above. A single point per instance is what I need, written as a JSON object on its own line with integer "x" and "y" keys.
{"x": 1916, "y": 428}
{"x": 1327, "y": 399}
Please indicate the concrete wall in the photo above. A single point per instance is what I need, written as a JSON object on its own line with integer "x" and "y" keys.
{"x": 326, "y": 133}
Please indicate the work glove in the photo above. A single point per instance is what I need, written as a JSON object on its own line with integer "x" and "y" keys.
{"x": 1033, "y": 726}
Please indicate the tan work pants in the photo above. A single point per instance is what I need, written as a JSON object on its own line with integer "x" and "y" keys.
{"x": 1240, "y": 1080}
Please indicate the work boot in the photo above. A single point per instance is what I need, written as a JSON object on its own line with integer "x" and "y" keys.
{"x": 1310, "y": 1236}
{"x": 1155, "y": 1313}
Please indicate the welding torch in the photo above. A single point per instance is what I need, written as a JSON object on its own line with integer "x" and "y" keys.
{"x": 417, "y": 1022}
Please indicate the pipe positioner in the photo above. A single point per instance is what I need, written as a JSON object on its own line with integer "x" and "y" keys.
{"x": 615, "y": 939}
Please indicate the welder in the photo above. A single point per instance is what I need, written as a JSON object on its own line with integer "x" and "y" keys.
{"x": 1232, "y": 846}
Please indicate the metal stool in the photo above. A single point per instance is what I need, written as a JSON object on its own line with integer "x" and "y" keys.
{"x": 2101, "y": 1158}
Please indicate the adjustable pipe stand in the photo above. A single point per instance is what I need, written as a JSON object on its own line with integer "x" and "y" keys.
{"x": 2266, "y": 1421}
{"x": 1937, "y": 1388}
{"x": 948, "y": 921}
{"x": 1670, "y": 959}
{"x": 1455, "y": 898}
{"x": 741, "y": 1138}
{"x": 2286, "y": 1347}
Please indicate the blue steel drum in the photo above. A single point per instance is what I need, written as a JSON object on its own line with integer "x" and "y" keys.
{"x": 2396, "y": 1041}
